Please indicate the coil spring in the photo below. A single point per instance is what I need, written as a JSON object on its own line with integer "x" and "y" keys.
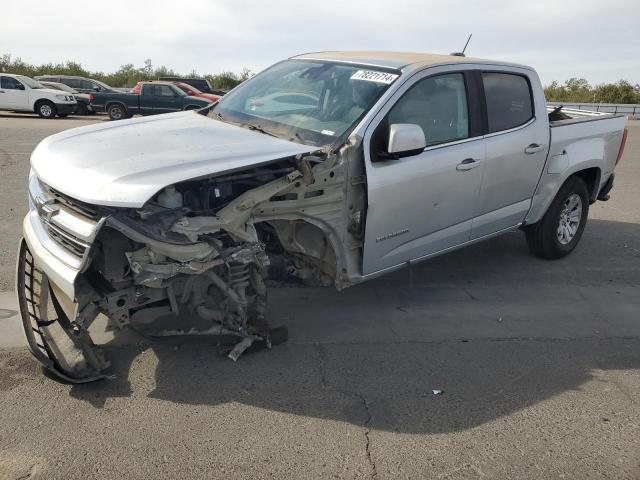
{"x": 239, "y": 275}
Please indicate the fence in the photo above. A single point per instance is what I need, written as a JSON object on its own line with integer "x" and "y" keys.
{"x": 625, "y": 108}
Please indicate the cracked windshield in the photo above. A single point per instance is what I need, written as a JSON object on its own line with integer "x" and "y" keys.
{"x": 306, "y": 101}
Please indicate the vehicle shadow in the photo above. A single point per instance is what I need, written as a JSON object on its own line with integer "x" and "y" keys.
{"x": 372, "y": 355}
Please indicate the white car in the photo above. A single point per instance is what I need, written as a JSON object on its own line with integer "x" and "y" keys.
{"x": 24, "y": 94}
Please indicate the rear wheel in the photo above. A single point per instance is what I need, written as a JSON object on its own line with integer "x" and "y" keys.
{"x": 116, "y": 111}
{"x": 46, "y": 109}
{"x": 561, "y": 228}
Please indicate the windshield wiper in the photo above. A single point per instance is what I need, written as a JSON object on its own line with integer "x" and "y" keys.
{"x": 298, "y": 136}
{"x": 258, "y": 128}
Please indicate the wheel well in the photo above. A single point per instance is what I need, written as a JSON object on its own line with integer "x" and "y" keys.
{"x": 41, "y": 101}
{"x": 108, "y": 105}
{"x": 591, "y": 177}
{"x": 304, "y": 248}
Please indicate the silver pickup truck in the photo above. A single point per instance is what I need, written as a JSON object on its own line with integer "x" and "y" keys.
{"x": 325, "y": 169}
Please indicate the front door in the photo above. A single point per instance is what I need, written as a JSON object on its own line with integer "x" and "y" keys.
{"x": 13, "y": 94}
{"x": 167, "y": 100}
{"x": 425, "y": 203}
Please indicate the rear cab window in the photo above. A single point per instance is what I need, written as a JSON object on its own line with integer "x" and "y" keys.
{"x": 509, "y": 100}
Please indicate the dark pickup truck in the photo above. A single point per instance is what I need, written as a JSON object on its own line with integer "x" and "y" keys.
{"x": 154, "y": 98}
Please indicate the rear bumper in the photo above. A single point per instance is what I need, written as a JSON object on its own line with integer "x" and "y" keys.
{"x": 603, "y": 195}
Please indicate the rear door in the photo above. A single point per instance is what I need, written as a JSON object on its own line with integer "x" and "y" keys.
{"x": 517, "y": 142}
{"x": 13, "y": 95}
{"x": 147, "y": 99}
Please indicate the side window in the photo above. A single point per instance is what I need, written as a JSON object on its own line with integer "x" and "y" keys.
{"x": 509, "y": 102}
{"x": 439, "y": 105}
{"x": 9, "y": 83}
{"x": 72, "y": 82}
{"x": 148, "y": 90}
{"x": 165, "y": 91}
{"x": 87, "y": 85}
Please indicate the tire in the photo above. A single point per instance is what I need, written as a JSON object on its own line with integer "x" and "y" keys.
{"x": 560, "y": 230}
{"x": 117, "y": 111}
{"x": 46, "y": 109}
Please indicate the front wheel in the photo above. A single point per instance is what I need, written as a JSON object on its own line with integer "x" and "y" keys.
{"x": 46, "y": 109}
{"x": 560, "y": 230}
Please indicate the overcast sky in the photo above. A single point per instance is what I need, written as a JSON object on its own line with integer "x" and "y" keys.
{"x": 595, "y": 39}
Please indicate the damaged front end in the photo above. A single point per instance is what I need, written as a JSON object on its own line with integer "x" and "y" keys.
{"x": 193, "y": 260}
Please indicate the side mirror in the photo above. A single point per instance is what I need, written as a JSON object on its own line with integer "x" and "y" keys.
{"x": 405, "y": 140}
{"x": 19, "y": 86}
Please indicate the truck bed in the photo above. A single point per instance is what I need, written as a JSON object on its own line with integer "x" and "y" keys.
{"x": 585, "y": 138}
{"x": 573, "y": 115}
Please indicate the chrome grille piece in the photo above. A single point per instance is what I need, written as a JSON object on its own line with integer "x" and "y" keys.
{"x": 65, "y": 239}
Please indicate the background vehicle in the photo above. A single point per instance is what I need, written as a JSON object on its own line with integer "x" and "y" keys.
{"x": 188, "y": 89}
{"x": 81, "y": 84}
{"x": 24, "y": 94}
{"x": 84, "y": 107}
{"x": 402, "y": 157}
{"x": 154, "y": 98}
{"x": 201, "y": 84}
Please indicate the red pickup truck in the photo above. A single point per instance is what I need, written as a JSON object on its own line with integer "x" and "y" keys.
{"x": 186, "y": 88}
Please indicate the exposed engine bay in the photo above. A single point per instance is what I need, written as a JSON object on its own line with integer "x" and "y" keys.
{"x": 198, "y": 259}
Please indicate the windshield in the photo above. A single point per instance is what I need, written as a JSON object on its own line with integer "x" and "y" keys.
{"x": 58, "y": 86}
{"x": 102, "y": 84}
{"x": 29, "y": 82}
{"x": 309, "y": 101}
{"x": 178, "y": 91}
{"x": 188, "y": 88}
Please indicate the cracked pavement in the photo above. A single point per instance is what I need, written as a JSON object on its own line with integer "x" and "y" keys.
{"x": 539, "y": 364}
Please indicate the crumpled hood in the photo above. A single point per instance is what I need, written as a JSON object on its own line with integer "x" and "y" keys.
{"x": 125, "y": 163}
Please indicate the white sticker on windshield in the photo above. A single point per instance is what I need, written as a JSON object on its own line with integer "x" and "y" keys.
{"x": 373, "y": 76}
{"x": 328, "y": 132}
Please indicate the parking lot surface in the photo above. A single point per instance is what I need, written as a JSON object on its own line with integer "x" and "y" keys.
{"x": 538, "y": 364}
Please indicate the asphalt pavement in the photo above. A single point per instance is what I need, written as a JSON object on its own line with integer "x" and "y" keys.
{"x": 537, "y": 365}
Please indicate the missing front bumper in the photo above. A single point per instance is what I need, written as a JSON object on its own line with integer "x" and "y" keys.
{"x": 63, "y": 348}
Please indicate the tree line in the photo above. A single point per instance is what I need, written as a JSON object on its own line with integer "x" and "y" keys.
{"x": 578, "y": 90}
{"x": 573, "y": 90}
{"x": 126, "y": 76}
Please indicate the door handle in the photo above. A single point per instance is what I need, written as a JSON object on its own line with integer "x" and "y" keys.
{"x": 467, "y": 164}
{"x": 1, "y": 91}
{"x": 534, "y": 148}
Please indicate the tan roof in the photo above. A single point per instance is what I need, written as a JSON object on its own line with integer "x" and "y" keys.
{"x": 398, "y": 60}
